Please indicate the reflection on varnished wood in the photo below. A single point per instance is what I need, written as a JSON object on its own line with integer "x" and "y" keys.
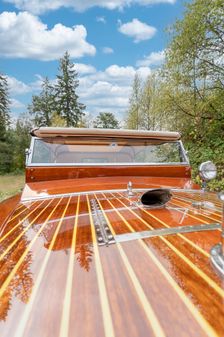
{"x": 84, "y": 255}
{"x": 22, "y": 283}
{"x": 83, "y": 250}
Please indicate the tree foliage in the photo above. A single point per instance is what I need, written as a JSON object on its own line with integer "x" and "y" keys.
{"x": 106, "y": 120}
{"x": 5, "y": 148}
{"x": 194, "y": 67}
{"x": 57, "y": 104}
{"x": 146, "y": 105}
{"x": 188, "y": 93}
{"x": 21, "y": 142}
{"x": 133, "y": 120}
{"x": 195, "y": 71}
{"x": 4, "y": 106}
{"x": 43, "y": 105}
{"x": 68, "y": 106}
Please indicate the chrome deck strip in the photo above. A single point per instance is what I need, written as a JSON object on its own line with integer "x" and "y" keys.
{"x": 165, "y": 231}
{"x": 103, "y": 233}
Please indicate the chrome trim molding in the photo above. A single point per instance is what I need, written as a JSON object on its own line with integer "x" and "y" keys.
{"x": 50, "y": 196}
{"x": 105, "y": 164}
{"x": 30, "y": 164}
{"x": 165, "y": 231}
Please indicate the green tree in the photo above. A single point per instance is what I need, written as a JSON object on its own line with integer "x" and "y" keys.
{"x": 195, "y": 66}
{"x": 153, "y": 116}
{"x": 57, "y": 120}
{"x": 6, "y": 155}
{"x": 194, "y": 74}
{"x": 20, "y": 139}
{"x": 43, "y": 105}
{"x": 133, "y": 120}
{"x": 4, "y": 106}
{"x": 68, "y": 106}
{"x": 106, "y": 120}
{"x": 6, "y": 151}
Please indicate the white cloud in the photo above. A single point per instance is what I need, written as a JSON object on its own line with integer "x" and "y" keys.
{"x": 84, "y": 68}
{"x": 119, "y": 73}
{"x": 17, "y": 87}
{"x": 15, "y": 104}
{"x": 144, "y": 72}
{"x": 138, "y": 30}
{"x": 107, "y": 50}
{"x": 41, "y": 6}
{"x": 154, "y": 58}
{"x": 101, "y": 19}
{"x": 23, "y": 35}
{"x": 109, "y": 90}
{"x": 105, "y": 90}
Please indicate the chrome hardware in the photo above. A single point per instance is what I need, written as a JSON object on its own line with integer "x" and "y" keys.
{"x": 207, "y": 171}
{"x": 165, "y": 231}
{"x": 27, "y": 153}
{"x": 103, "y": 233}
{"x": 129, "y": 189}
{"x": 217, "y": 252}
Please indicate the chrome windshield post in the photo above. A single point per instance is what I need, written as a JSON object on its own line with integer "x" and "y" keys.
{"x": 217, "y": 252}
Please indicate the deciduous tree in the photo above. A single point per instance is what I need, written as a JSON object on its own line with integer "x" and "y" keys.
{"x": 133, "y": 120}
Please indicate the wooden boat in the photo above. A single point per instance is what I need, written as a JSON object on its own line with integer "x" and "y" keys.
{"x": 81, "y": 255}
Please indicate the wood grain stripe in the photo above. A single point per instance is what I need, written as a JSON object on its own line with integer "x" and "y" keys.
{"x": 151, "y": 316}
{"x": 24, "y": 231}
{"x": 196, "y": 314}
{"x": 201, "y": 250}
{"x": 180, "y": 202}
{"x": 64, "y": 327}
{"x": 23, "y": 321}
{"x": 20, "y": 261}
{"x": 198, "y": 317}
{"x": 15, "y": 216}
{"x": 19, "y": 223}
{"x": 19, "y": 206}
{"x": 196, "y": 198}
{"x": 210, "y": 282}
{"x": 107, "y": 319}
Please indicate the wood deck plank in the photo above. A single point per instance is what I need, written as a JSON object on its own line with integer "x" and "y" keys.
{"x": 161, "y": 286}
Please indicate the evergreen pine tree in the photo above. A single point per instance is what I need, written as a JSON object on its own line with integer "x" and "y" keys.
{"x": 106, "y": 120}
{"x": 4, "y": 106}
{"x": 43, "y": 105}
{"x": 21, "y": 141}
{"x": 5, "y": 148}
{"x": 66, "y": 97}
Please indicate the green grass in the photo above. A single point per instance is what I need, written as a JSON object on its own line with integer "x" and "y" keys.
{"x": 10, "y": 184}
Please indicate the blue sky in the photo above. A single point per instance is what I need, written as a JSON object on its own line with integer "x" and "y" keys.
{"x": 108, "y": 42}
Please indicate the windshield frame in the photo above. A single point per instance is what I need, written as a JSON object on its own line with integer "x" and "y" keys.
{"x": 29, "y": 162}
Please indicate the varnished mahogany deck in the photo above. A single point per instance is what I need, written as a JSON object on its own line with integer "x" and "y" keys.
{"x": 56, "y": 281}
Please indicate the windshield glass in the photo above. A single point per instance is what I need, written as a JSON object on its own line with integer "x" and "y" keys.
{"x": 90, "y": 151}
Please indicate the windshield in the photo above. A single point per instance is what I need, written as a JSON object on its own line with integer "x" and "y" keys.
{"x": 95, "y": 152}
